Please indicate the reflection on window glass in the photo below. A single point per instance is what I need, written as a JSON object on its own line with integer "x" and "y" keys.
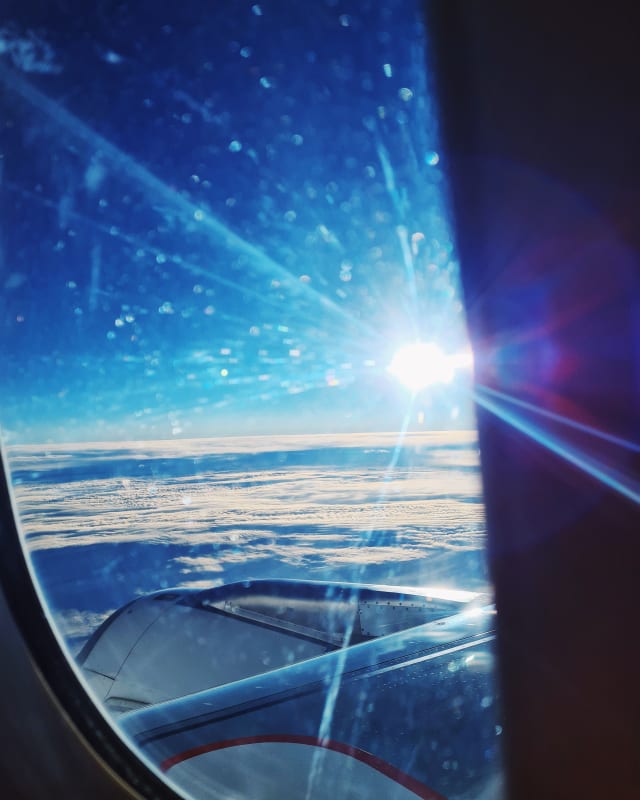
{"x": 236, "y": 396}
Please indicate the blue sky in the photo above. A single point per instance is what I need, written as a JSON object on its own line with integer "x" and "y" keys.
{"x": 220, "y": 222}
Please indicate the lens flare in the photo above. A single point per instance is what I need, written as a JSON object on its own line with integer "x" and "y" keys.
{"x": 421, "y": 364}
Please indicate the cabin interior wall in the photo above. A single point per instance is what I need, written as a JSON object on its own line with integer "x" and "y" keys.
{"x": 542, "y": 134}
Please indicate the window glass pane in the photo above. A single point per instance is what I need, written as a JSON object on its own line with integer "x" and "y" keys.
{"x": 237, "y": 392}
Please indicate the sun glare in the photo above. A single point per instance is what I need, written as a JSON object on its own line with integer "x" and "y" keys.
{"x": 423, "y": 364}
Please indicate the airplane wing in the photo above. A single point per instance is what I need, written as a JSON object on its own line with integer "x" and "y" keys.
{"x": 328, "y": 689}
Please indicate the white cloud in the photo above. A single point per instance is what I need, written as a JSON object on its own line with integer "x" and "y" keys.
{"x": 41, "y": 457}
{"x": 312, "y": 515}
{"x": 73, "y": 623}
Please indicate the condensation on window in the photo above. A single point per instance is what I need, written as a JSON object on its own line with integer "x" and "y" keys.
{"x": 236, "y": 397}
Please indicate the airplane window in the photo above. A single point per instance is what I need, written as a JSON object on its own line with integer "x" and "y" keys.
{"x": 236, "y": 403}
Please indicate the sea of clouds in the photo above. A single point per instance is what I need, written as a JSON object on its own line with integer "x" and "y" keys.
{"x": 103, "y": 523}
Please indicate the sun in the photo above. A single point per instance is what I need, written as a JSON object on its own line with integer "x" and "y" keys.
{"x": 421, "y": 364}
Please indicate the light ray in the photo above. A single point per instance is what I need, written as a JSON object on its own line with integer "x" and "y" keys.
{"x": 360, "y": 345}
{"x": 401, "y": 231}
{"x": 159, "y": 189}
{"x": 410, "y": 272}
{"x": 133, "y": 241}
{"x": 588, "y": 429}
{"x": 609, "y": 476}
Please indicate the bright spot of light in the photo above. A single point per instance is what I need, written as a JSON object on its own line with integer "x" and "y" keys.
{"x": 463, "y": 360}
{"x": 423, "y": 364}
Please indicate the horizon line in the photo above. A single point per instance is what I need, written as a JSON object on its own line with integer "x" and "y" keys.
{"x": 244, "y": 437}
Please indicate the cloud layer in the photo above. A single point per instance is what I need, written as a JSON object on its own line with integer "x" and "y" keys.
{"x": 200, "y": 513}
